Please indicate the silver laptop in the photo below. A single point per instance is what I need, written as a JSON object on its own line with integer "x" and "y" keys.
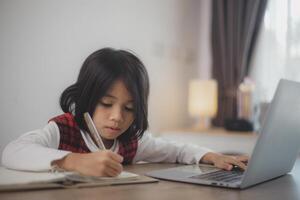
{"x": 274, "y": 154}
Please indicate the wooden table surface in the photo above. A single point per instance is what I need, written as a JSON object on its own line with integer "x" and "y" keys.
{"x": 283, "y": 188}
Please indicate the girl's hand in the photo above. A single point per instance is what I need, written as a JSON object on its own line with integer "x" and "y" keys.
{"x": 224, "y": 161}
{"x": 101, "y": 163}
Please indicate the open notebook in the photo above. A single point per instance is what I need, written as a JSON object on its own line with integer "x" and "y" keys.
{"x": 21, "y": 180}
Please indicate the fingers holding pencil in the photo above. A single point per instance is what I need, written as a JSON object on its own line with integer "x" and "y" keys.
{"x": 100, "y": 163}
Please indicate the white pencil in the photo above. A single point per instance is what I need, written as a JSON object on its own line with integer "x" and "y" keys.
{"x": 94, "y": 133}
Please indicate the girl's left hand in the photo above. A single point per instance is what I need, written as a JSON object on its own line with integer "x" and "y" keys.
{"x": 224, "y": 161}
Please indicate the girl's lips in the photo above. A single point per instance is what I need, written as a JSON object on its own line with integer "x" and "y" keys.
{"x": 112, "y": 130}
{"x": 115, "y": 129}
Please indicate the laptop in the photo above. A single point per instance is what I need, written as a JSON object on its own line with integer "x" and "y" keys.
{"x": 274, "y": 154}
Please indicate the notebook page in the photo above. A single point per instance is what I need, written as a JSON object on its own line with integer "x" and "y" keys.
{"x": 12, "y": 177}
{"x": 80, "y": 178}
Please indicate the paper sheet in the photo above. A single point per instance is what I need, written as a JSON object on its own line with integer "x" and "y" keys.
{"x": 81, "y": 178}
{"x": 11, "y": 177}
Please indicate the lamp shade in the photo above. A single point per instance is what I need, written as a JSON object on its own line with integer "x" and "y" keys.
{"x": 203, "y": 98}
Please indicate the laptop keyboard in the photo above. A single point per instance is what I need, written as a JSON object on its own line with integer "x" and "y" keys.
{"x": 221, "y": 175}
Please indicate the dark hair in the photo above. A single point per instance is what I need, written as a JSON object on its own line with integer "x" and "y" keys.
{"x": 97, "y": 74}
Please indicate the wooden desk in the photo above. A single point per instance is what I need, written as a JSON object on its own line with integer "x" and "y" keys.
{"x": 284, "y": 188}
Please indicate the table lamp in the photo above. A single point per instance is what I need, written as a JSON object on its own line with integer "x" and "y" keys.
{"x": 203, "y": 101}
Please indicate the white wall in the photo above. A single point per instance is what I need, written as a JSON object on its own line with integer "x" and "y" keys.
{"x": 44, "y": 42}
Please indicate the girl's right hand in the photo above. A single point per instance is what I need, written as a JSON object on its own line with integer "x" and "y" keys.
{"x": 100, "y": 163}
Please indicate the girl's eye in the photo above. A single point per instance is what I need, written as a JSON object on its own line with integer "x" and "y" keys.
{"x": 108, "y": 105}
{"x": 105, "y": 104}
{"x": 129, "y": 109}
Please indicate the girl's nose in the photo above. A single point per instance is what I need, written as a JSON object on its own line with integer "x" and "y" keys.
{"x": 116, "y": 115}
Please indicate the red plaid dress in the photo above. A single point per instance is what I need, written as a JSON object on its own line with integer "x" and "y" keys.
{"x": 71, "y": 139}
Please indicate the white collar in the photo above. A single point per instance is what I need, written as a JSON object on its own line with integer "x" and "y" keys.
{"x": 92, "y": 146}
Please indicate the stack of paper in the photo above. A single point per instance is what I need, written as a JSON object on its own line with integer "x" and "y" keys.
{"x": 20, "y": 180}
{"x": 13, "y": 177}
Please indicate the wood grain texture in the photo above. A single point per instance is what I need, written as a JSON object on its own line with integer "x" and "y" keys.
{"x": 286, "y": 187}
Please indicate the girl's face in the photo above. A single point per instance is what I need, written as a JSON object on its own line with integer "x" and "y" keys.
{"x": 114, "y": 113}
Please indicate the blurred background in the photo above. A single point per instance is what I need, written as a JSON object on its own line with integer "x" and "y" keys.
{"x": 43, "y": 44}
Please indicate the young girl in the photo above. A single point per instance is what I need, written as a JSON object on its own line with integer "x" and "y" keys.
{"x": 113, "y": 87}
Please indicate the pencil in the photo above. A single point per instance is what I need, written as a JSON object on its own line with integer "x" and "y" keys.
{"x": 93, "y": 131}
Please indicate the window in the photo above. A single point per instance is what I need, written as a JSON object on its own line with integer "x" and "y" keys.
{"x": 277, "y": 53}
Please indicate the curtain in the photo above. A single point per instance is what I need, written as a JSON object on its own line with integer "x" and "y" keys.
{"x": 235, "y": 25}
{"x": 280, "y": 31}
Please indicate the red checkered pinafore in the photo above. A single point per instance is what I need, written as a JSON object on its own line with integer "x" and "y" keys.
{"x": 71, "y": 139}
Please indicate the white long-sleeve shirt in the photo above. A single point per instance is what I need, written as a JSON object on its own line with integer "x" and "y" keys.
{"x": 36, "y": 150}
